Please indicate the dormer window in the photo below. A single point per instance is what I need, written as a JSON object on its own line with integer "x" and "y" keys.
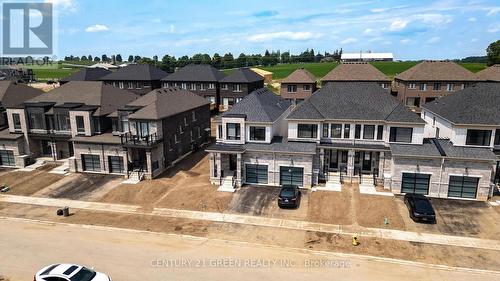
{"x": 233, "y": 131}
{"x": 401, "y": 134}
{"x": 257, "y": 133}
{"x": 16, "y": 119}
{"x": 307, "y": 131}
{"x": 478, "y": 137}
{"x": 80, "y": 125}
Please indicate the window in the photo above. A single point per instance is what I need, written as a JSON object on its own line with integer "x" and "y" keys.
{"x": 357, "y": 131}
{"x": 478, "y": 137}
{"x": 413, "y": 101}
{"x": 237, "y": 100}
{"x": 336, "y": 131}
{"x": 307, "y": 131}
{"x": 347, "y": 131}
{"x": 36, "y": 120}
{"x": 257, "y": 133}
{"x": 116, "y": 164}
{"x": 63, "y": 123}
{"x": 184, "y": 86}
{"x": 369, "y": 132}
{"x": 211, "y": 86}
{"x": 227, "y": 101}
{"x": 124, "y": 122}
{"x": 211, "y": 99}
{"x": 193, "y": 116}
{"x": 219, "y": 127}
{"x": 137, "y": 85}
{"x": 193, "y": 86}
{"x": 165, "y": 85}
{"x": 325, "y": 130}
{"x": 191, "y": 134}
{"x": 185, "y": 121}
{"x": 176, "y": 140}
{"x": 143, "y": 129}
{"x": 436, "y": 87}
{"x": 423, "y": 87}
{"x": 203, "y": 87}
{"x": 7, "y": 158}
{"x": 198, "y": 132}
{"x": 147, "y": 85}
{"x": 291, "y": 88}
{"x": 412, "y": 86}
{"x": 16, "y": 119}
{"x": 449, "y": 87}
{"x": 224, "y": 87}
{"x": 462, "y": 86}
{"x": 114, "y": 124}
{"x": 463, "y": 187}
{"x": 306, "y": 87}
{"x": 80, "y": 125}
{"x": 497, "y": 137}
{"x": 415, "y": 183}
{"x": 233, "y": 131}
{"x": 181, "y": 130}
{"x": 380, "y": 132}
{"x": 401, "y": 134}
{"x": 236, "y": 88}
{"x": 130, "y": 85}
{"x": 384, "y": 85}
{"x": 120, "y": 85}
{"x": 97, "y": 124}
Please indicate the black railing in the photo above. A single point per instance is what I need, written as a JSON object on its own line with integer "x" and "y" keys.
{"x": 128, "y": 138}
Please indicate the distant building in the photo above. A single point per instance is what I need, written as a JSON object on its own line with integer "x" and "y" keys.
{"x": 139, "y": 79}
{"x": 237, "y": 85}
{"x": 490, "y": 74}
{"x": 298, "y": 86}
{"x": 86, "y": 74}
{"x": 357, "y": 72}
{"x": 347, "y": 57}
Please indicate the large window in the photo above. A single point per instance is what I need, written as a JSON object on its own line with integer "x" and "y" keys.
{"x": 124, "y": 122}
{"x": 325, "y": 130}
{"x": 142, "y": 129}
{"x": 478, "y": 137}
{"x": 357, "y": 131}
{"x": 369, "y": 132}
{"x": 336, "y": 131}
{"x": 233, "y": 131}
{"x": 401, "y": 134}
{"x": 291, "y": 88}
{"x": 347, "y": 131}
{"x": 308, "y": 131}
{"x": 380, "y": 132}
{"x": 415, "y": 183}
{"x": 219, "y": 127}
{"x": 80, "y": 125}
{"x": 17, "y": 121}
{"x": 257, "y": 133}
{"x": 36, "y": 120}
{"x": 497, "y": 137}
{"x": 63, "y": 122}
{"x": 463, "y": 187}
{"x": 256, "y": 173}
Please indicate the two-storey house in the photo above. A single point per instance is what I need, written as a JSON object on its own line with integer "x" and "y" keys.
{"x": 136, "y": 78}
{"x": 357, "y": 72}
{"x": 490, "y": 74}
{"x": 252, "y": 148}
{"x": 430, "y": 80}
{"x": 86, "y": 74}
{"x": 201, "y": 79}
{"x": 237, "y": 85}
{"x": 298, "y": 86}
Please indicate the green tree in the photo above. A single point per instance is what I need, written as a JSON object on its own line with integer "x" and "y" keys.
{"x": 119, "y": 58}
{"x": 493, "y": 53}
{"x": 130, "y": 58}
{"x": 217, "y": 61}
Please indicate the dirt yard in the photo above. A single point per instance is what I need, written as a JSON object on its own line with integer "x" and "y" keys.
{"x": 331, "y": 207}
{"x": 28, "y": 183}
{"x": 372, "y": 210}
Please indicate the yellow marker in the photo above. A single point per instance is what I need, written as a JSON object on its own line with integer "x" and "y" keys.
{"x": 355, "y": 241}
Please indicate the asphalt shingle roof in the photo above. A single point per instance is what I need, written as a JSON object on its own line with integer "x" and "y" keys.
{"x": 89, "y": 93}
{"x": 13, "y": 94}
{"x": 162, "y": 103}
{"x": 278, "y": 144}
{"x": 261, "y": 105}
{"x": 299, "y": 76}
{"x": 491, "y": 73}
{"x": 355, "y": 72}
{"x": 196, "y": 73}
{"x": 436, "y": 71}
{"x": 87, "y": 74}
{"x": 242, "y": 75}
{"x": 353, "y": 101}
{"x": 136, "y": 72}
{"x": 476, "y": 105}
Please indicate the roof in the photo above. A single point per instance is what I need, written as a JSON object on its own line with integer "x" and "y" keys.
{"x": 136, "y": 72}
{"x": 162, "y": 103}
{"x": 299, "y": 76}
{"x": 89, "y": 93}
{"x": 362, "y": 56}
{"x": 442, "y": 148}
{"x": 13, "y": 94}
{"x": 195, "y": 73}
{"x": 476, "y": 105}
{"x": 261, "y": 105}
{"x": 436, "y": 71}
{"x": 242, "y": 75}
{"x": 278, "y": 144}
{"x": 87, "y": 74}
{"x": 357, "y": 71}
{"x": 491, "y": 73}
{"x": 354, "y": 145}
{"x": 5, "y": 134}
{"x": 353, "y": 101}
{"x": 108, "y": 138}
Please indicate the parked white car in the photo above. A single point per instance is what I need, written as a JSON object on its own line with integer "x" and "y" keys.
{"x": 69, "y": 272}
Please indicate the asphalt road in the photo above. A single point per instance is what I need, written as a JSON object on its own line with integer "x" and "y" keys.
{"x": 26, "y": 246}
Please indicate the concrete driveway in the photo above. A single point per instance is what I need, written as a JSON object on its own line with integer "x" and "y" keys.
{"x": 263, "y": 201}
{"x": 457, "y": 217}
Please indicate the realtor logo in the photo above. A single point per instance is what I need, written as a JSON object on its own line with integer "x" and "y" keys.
{"x": 27, "y": 29}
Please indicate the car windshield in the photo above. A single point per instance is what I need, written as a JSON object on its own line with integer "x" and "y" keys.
{"x": 423, "y": 206}
{"x": 287, "y": 192}
{"x": 84, "y": 274}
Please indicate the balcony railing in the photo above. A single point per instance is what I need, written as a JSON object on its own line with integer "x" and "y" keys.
{"x": 129, "y": 139}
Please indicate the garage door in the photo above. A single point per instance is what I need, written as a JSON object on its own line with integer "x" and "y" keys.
{"x": 291, "y": 176}
{"x": 463, "y": 187}
{"x": 7, "y": 158}
{"x": 91, "y": 163}
{"x": 256, "y": 174}
{"x": 116, "y": 164}
{"x": 415, "y": 183}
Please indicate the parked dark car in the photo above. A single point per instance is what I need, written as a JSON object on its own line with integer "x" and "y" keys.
{"x": 420, "y": 208}
{"x": 289, "y": 197}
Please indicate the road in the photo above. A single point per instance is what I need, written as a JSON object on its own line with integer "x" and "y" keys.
{"x": 26, "y": 246}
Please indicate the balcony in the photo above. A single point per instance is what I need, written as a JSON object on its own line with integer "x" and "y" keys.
{"x": 128, "y": 139}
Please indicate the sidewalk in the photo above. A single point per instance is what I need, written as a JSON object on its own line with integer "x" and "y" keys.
{"x": 457, "y": 241}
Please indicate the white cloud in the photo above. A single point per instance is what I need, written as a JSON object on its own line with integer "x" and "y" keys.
{"x": 473, "y": 40}
{"x": 493, "y": 11}
{"x": 349, "y": 40}
{"x": 405, "y": 41}
{"x": 285, "y": 35}
{"x": 398, "y": 24}
{"x": 97, "y": 28}
{"x": 434, "y": 19}
{"x": 472, "y": 19}
{"x": 172, "y": 28}
{"x": 368, "y": 31}
{"x": 63, "y": 4}
{"x": 434, "y": 39}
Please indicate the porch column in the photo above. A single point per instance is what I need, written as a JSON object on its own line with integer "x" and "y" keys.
{"x": 350, "y": 163}
{"x": 125, "y": 161}
{"x": 238, "y": 170}
{"x": 322, "y": 162}
{"x": 53, "y": 149}
{"x": 218, "y": 163}
{"x": 381, "y": 161}
{"x": 148, "y": 163}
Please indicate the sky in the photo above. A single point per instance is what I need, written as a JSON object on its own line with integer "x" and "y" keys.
{"x": 409, "y": 29}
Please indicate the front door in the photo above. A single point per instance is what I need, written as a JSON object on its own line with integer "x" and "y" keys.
{"x": 367, "y": 161}
{"x": 334, "y": 159}
{"x": 46, "y": 148}
{"x": 232, "y": 162}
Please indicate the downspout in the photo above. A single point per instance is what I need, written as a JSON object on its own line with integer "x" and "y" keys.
{"x": 440, "y": 177}
{"x": 103, "y": 160}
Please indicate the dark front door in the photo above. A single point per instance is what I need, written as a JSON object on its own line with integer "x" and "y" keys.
{"x": 139, "y": 159}
{"x": 70, "y": 148}
{"x": 334, "y": 159}
{"x": 46, "y": 148}
{"x": 232, "y": 162}
{"x": 367, "y": 161}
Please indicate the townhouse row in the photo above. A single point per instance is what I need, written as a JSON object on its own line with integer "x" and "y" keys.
{"x": 357, "y": 132}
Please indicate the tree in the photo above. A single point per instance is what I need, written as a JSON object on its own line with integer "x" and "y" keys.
{"x": 97, "y": 59}
{"x": 241, "y": 61}
{"x": 84, "y": 58}
{"x": 216, "y": 61}
{"x": 104, "y": 58}
{"x": 137, "y": 58}
{"x": 130, "y": 58}
{"x": 228, "y": 61}
{"x": 119, "y": 58}
{"x": 91, "y": 58}
{"x": 493, "y": 53}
